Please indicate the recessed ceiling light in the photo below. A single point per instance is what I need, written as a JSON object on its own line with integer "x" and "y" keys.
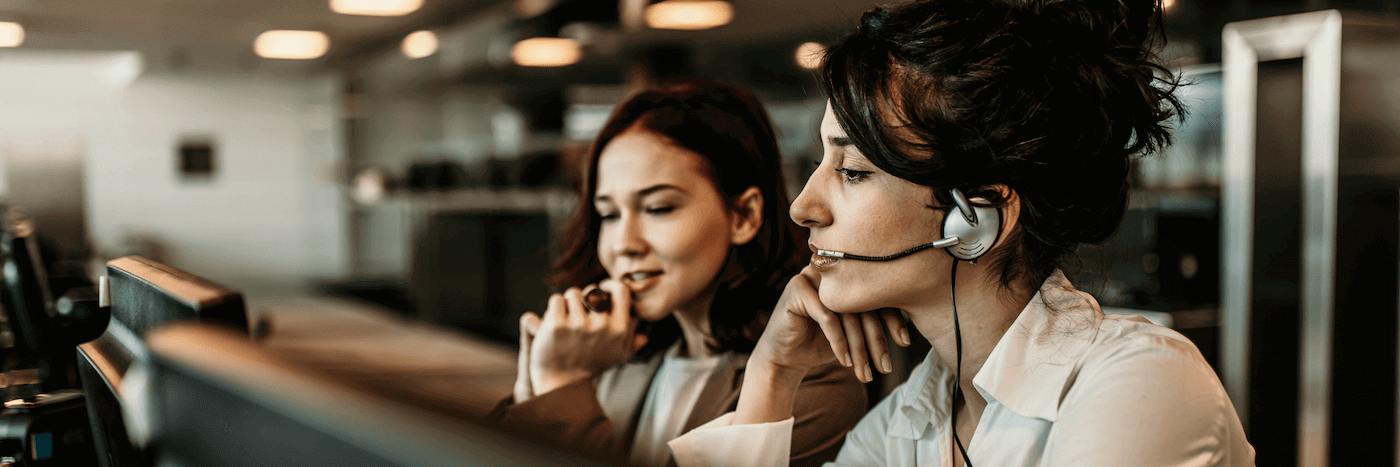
{"x": 533, "y": 8}
{"x": 546, "y": 51}
{"x": 809, "y": 55}
{"x": 292, "y": 45}
{"x": 376, "y": 7}
{"x": 11, "y": 34}
{"x": 419, "y": 44}
{"x": 689, "y": 14}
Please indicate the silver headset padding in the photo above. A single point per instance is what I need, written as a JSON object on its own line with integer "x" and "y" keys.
{"x": 973, "y": 240}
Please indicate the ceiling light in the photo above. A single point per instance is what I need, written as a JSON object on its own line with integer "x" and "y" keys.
{"x": 420, "y": 44}
{"x": 375, "y": 7}
{"x": 532, "y": 8}
{"x": 689, "y": 14}
{"x": 546, "y": 51}
{"x": 292, "y": 45}
{"x": 11, "y": 34}
{"x": 809, "y": 55}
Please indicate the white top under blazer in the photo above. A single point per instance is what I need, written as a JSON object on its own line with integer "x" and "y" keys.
{"x": 1065, "y": 386}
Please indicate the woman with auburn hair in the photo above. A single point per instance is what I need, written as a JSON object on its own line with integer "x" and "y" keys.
{"x": 970, "y": 146}
{"x": 682, "y": 220}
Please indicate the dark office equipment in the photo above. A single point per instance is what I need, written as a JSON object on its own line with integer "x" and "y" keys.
{"x": 436, "y": 176}
{"x": 226, "y": 402}
{"x": 144, "y": 295}
{"x": 481, "y": 270}
{"x": 44, "y": 421}
{"x": 28, "y": 303}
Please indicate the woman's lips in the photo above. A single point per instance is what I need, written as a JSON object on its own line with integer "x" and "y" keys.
{"x": 822, "y": 263}
{"x": 641, "y": 281}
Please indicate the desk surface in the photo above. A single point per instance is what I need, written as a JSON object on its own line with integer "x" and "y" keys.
{"x": 377, "y": 351}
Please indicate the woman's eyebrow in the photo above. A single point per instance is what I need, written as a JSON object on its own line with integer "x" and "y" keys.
{"x": 840, "y": 141}
{"x": 642, "y": 192}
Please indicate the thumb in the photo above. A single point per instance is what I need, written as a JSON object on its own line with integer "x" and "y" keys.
{"x": 638, "y": 341}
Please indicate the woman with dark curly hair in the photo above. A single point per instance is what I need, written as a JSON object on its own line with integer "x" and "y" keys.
{"x": 682, "y": 219}
{"x": 1000, "y": 132}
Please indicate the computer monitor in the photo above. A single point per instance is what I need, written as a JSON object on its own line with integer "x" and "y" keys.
{"x": 225, "y": 401}
{"x": 146, "y": 294}
{"x": 177, "y": 373}
{"x": 143, "y": 295}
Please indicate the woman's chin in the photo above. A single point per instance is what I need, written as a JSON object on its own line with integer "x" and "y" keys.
{"x": 833, "y": 299}
{"x": 649, "y": 313}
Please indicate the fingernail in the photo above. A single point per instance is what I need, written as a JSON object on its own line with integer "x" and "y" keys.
{"x": 846, "y": 359}
{"x": 904, "y": 333}
{"x": 885, "y": 363}
{"x": 869, "y": 374}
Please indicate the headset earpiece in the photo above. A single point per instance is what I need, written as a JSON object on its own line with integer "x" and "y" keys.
{"x": 976, "y": 227}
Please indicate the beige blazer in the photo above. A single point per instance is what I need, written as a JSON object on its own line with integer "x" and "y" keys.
{"x": 600, "y": 416}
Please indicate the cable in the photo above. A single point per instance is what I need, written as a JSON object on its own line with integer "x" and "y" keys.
{"x": 957, "y": 382}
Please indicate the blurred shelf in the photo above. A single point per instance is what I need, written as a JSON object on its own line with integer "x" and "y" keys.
{"x": 488, "y": 200}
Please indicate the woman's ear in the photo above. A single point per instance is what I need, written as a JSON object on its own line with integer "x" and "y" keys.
{"x": 746, "y": 216}
{"x": 1010, "y": 210}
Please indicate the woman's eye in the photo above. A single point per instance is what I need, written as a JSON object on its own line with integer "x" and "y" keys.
{"x": 660, "y": 210}
{"x": 852, "y": 175}
{"x": 607, "y": 216}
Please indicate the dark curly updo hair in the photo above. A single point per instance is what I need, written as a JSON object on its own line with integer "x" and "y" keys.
{"x": 1049, "y": 98}
{"x": 729, "y": 127}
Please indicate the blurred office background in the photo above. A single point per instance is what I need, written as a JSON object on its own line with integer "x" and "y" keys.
{"x": 417, "y": 157}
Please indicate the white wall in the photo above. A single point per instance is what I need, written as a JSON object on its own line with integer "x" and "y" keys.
{"x": 273, "y": 213}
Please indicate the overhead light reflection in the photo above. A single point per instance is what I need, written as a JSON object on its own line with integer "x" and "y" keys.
{"x": 291, "y": 45}
{"x": 420, "y": 44}
{"x": 11, "y": 34}
{"x": 546, "y": 52}
{"x": 376, "y": 7}
{"x": 689, "y": 14}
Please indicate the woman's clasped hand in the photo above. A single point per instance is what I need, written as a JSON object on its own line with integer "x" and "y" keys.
{"x": 571, "y": 343}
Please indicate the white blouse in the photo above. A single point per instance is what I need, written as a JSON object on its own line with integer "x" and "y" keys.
{"x": 1065, "y": 386}
{"x": 674, "y": 391}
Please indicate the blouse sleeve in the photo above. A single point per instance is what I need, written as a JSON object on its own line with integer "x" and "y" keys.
{"x": 721, "y": 443}
{"x": 1152, "y": 402}
{"x": 828, "y": 404}
{"x": 569, "y": 417}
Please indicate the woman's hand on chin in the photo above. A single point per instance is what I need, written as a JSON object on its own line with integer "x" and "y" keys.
{"x": 803, "y": 333}
{"x": 570, "y": 343}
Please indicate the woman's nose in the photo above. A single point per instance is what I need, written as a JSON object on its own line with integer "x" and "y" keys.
{"x": 809, "y": 209}
{"x": 628, "y": 239}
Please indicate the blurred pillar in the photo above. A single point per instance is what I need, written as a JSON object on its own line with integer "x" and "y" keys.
{"x": 1341, "y": 288}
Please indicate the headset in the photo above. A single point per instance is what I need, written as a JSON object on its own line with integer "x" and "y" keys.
{"x": 966, "y": 237}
